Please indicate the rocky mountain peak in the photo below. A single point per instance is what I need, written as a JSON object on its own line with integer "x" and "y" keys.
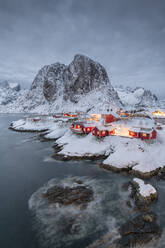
{"x": 70, "y": 83}
{"x": 82, "y": 76}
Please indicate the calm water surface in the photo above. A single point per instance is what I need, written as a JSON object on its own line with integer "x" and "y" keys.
{"x": 25, "y": 166}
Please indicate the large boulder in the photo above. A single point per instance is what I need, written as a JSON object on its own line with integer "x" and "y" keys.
{"x": 79, "y": 195}
{"x": 138, "y": 231}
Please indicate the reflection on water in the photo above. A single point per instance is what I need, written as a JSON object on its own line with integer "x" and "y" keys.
{"x": 25, "y": 166}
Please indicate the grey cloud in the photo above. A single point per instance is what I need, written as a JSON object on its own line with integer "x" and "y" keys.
{"x": 126, "y": 36}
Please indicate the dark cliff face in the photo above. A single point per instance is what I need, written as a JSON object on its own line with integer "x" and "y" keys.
{"x": 83, "y": 79}
{"x": 80, "y": 77}
{"x": 53, "y": 82}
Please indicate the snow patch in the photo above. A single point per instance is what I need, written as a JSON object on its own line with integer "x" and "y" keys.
{"x": 146, "y": 190}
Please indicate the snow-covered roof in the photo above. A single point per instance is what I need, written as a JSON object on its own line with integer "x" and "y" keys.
{"x": 135, "y": 123}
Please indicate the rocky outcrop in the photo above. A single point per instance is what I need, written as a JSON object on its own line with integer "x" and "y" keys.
{"x": 140, "y": 230}
{"x": 143, "y": 194}
{"x": 53, "y": 82}
{"x": 79, "y": 195}
{"x": 136, "y": 232}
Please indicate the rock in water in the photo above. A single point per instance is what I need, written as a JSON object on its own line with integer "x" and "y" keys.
{"x": 140, "y": 230}
{"x": 66, "y": 196}
{"x": 144, "y": 194}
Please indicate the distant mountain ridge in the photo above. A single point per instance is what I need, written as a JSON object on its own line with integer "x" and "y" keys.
{"x": 9, "y": 92}
{"x": 137, "y": 97}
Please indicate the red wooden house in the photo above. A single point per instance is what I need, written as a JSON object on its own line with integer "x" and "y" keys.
{"x": 142, "y": 128}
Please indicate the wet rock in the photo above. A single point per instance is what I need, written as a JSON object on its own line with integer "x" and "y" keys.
{"x": 161, "y": 173}
{"x": 79, "y": 195}
{"x": 107, "y": 241}
{"x": 125, "y": 186}
{"x": 113, "y": 168}
{"x": 63, "y": 157}
{"x": 129, "y": 204}
{"x": 140, "y": 230}
{"x": 144, "y": 175}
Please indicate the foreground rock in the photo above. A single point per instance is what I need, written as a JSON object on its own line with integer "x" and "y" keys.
{"x": 79, "y": 195}
{"x": 140, "y": 230}
{"x": 134, "y": 233}
{"x": 75, "y": 211}
{"x": 144, "y": 194}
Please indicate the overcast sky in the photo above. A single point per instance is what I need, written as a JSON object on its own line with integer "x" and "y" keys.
{"x": 125, "y": 36}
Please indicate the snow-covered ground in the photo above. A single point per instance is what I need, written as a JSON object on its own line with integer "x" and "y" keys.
{"x": 123, "y": 153}
{"x": 83, "y": 146}
{"x": 135, "y": 155}
{"x": 141, "y": 156}
{"x": 28, "y": 124}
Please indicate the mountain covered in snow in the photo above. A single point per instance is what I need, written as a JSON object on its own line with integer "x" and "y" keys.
{"x": 83, "y": 85}
{"x": 9, "y": 92}
{"x": 138, "y": 97}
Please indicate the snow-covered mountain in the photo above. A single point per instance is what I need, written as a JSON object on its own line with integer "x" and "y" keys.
{"x": 138, "y": 97}
{"x": 11, "y": 97}
{"x": 9, "y": 92}
{"x": 83, "y": 85}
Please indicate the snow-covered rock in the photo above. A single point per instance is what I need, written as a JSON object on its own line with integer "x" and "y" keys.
{"x": 145, "y": 190}
{"x": 30, "y": 125}
{"x": 143, "y": 194}
{"x": 15, "y": 86}
{"x": 138, "y": 97}
{"x": 75, "y": 146}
